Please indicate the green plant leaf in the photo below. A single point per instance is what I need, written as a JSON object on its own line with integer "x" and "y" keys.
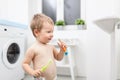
{"x": 60, "y": 23}
{"x": 79, "y": 22}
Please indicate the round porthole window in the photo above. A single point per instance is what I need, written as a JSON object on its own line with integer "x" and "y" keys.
{"x": 13, "y": 53}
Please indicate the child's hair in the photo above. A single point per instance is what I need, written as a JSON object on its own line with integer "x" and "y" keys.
{"x": 38, "y": 20}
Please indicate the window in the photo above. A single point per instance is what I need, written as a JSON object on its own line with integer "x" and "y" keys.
{"x": 49, "y": 8}
{"x": 71, "y": 11}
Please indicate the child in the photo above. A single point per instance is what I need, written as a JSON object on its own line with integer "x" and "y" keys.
{"x": 40, "y": 53}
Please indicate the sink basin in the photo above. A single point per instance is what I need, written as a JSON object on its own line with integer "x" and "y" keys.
{"x": 107, "y": 24}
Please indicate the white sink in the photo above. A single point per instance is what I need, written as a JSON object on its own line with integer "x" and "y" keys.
{"x": 107, "y": 24}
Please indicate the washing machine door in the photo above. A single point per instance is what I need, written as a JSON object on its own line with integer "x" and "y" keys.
{"x": 11, "y": 54}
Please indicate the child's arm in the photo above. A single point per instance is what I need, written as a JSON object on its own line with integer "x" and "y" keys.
{"x": 26, "y": 64}
{"x": 59, "y": 55}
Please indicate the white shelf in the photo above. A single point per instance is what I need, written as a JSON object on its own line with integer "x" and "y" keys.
{"x": 69, "y": 42}
{"x": 68, "y": 65}
{"x": 66, "y": 70}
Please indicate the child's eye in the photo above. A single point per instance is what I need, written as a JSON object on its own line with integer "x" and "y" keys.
{"x": 48, "y": 31}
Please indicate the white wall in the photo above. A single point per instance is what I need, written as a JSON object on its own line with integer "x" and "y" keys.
{"x": 99, "y": 54}
{"x": 34, "y": 6}
{"x": 14, "y": 10}
{"x": 97, "y": 9}
{"x": 60, "y": 10}
{"x": 116, "y": 8}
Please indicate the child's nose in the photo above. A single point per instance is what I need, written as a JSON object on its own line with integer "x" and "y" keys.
{"x": 51, "y": 35}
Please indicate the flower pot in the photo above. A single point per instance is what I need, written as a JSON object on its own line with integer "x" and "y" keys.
{"x": 81, "y": 27}
{"x": 60, "y": 27}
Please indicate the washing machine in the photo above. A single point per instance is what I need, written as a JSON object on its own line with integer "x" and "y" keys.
{"x": 12, "y": 49}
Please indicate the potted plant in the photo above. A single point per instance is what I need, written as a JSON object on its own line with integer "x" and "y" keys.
{"x": 80, "y": 23}
{"x": 60, "y": 24}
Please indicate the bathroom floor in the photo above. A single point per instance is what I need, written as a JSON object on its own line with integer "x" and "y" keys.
{"x": 59, "y": 77}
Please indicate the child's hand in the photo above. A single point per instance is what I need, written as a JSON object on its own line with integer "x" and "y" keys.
{"x": 62, "y": 45}
{"x": 36, "y": 73}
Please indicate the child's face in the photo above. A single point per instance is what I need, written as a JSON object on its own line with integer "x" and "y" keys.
{"x": 46, "y": 33}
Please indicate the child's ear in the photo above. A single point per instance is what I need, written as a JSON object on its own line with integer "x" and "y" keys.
{"x": 36, "y": 32}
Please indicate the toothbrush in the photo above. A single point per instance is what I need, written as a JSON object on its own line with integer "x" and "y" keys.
{"x": 64, "y": 48}
{"x": 46, "y": 66}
